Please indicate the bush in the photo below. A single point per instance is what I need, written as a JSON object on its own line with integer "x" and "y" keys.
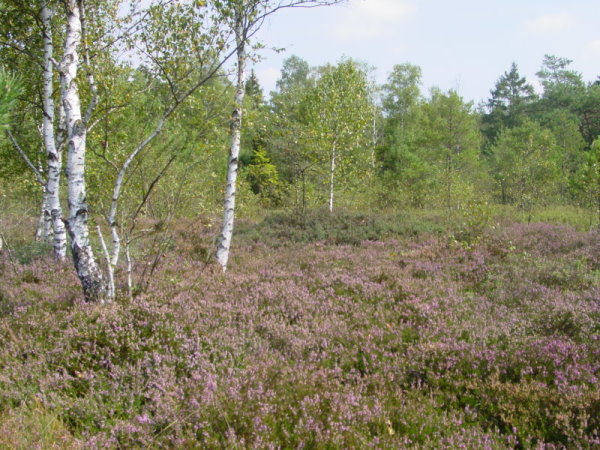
{"x": 340, "y": 227}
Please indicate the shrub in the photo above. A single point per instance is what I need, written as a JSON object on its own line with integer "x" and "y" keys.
{"x": 335, "y": 228}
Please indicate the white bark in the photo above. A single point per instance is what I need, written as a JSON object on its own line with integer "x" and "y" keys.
{"x": 110, "y": 288}
{"x": 129, "y": 270}
{"x": 77, "y": 224}
{"x": 374, "y": 139}
{"x": 44, "y": 227}
{"x": 332, "y": 177}
{"x": 88, "y": 67}
{"x": 112, "y": 256}
{"x": 52, "y": 207}
{"x": 224, "y": 241}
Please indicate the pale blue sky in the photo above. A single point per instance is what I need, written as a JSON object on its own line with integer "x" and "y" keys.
{"x": 461, "y": 44}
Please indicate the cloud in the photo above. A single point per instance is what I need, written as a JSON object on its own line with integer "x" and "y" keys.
{"x": 551, "y": 23}
{"x": 365, "y": 19}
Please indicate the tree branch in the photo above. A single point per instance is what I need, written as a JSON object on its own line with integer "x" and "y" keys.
{"x": 88, "y": 68}
{"x": 38, "y": 176}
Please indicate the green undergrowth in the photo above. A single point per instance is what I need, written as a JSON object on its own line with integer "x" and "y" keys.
{"x": 339, "y": 227}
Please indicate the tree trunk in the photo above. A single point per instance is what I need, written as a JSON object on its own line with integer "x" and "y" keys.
{"x": 332, "y": 178}
{"x": 129, "y": 270}
{"x": 303, "y": 192}
{"x": 224, "y": 241}
{"x": 44, "y": 226}
{"x": 374, "y": 140}
{"x": 52, "y": 208}
{"x": 83, "y": 257}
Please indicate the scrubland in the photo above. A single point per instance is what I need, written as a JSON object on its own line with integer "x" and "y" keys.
{"x": 344, "y": 332}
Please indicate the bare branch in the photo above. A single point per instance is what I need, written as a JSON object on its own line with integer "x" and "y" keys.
{"x": 108, "y": 111}
{"x": 38, "y": 176}
{"x": 88, "y": 68}
{"x": 149, "y": 191}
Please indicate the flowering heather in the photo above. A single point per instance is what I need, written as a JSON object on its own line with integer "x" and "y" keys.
{"x": 399, "y": 343}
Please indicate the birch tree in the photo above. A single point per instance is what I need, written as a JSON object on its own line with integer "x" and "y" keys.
{"x": 27, "y": 40}
{"x": 52, "y": 209}
{"x": 449, "y": 143}
{"x": 340, "y": 114}
{"x": 244, "y": 18}
{"x": 183, "y": 47}
{"x": 87, "y": 268}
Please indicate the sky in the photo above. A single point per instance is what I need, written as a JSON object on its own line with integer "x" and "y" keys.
{"x": 465, "y": 45}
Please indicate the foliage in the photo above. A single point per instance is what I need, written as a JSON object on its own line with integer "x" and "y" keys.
{"x": 556, "y": 78}
{"x": 524, "y": 161}
{"x": 449, "y": 142}
{"x": 10, "y": 89}
{"x": 587, "y": 182}
{"x": 263, "y": 177}
{"x": 401, "y": 93}
{"x": 338, "y": 113}
{"x": 341, "y": 227}
{"x": 321, "y": 129}
{"x": 507, "y": 106}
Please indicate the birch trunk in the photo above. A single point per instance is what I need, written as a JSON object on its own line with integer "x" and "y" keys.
{"x": 43, "y": 231}
{"x": 129, "y": 270}
{"x": 224, "y": 241}
{"x": 112, "y": 256}
{"x": 52, "y": 208}
{"x": 332, "y": 177}
{"x": 83, "y": 257}
{"x": 110, "y": 271}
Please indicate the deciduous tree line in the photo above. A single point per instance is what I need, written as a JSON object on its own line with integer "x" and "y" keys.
{"x": 138, "y": 99}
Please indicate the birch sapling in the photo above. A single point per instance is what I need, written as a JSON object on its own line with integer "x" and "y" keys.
{"x": 224, "y": 242}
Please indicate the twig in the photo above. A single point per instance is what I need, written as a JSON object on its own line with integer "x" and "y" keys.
{"x": 10, "y": 255}
{"x": 38, "y": 175}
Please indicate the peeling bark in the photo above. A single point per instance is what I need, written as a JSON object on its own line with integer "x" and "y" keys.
{"x": 224, "y": 241}
{"x": 83, "y": 257}
{"x": 52, "y": 208}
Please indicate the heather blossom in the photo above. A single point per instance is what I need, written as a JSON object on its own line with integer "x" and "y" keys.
{"x": 398, "y": 343}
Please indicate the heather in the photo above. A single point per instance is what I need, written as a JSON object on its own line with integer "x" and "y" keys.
{"x": 389, "y": 336}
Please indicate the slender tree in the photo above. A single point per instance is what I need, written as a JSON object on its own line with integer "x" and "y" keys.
{"x": 87, "y": 268}
{"x": 29, "y": 34}
{"x": 340, "y": 116}
{"x": 52, "y": 207}
{"x": 525, "y": 166}
{"x": 289, "y": 138}
{"x": 245, "y": 17}
{"x": 401, "y": 94}
{"x": 450, "y": 143}
{"x": 183, "y": 47}
{"x": 589, "y": 179}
